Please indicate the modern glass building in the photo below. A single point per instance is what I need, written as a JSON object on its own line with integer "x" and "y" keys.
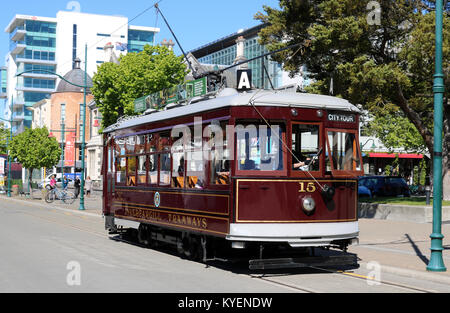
{"x": 43, "y": 45}
{"x": 224, "y": 52}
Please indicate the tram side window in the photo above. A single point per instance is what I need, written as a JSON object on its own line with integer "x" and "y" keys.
{"x": 130, "y": 144}
{"x": 131, "y": 171}
{"x": 305, "y": 147}
{"x": 344, "y": 152}
{"x": 219, "y": 155}
{"x": 178, "y": 170}
{"x": 260, "y": 148}
{"x": 164, "y": 169}
{"x": 152, "y": 143}
{"x": 140, "y": 144}
{"x": 195, "y": 163}
{"x": 142, "y": 169}
{"x": 153, "y": 169}
{"x": 121, "y": 165}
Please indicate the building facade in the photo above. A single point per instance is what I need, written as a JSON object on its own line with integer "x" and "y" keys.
{"x": 45, "y": 44}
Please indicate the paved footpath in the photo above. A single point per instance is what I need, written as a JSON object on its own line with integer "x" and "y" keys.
{"x": 401, "y": 248}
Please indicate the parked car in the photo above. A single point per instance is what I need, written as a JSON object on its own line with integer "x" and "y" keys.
{"x": 46, "y": 182}
{"x": 384, "y": 186}
{"x": 364, "y": 192}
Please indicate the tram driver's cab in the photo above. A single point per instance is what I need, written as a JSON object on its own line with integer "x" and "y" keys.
{"x": 305, "y": 147}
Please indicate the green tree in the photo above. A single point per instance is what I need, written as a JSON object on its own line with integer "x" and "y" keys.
{"x": 34, "y": 149}
{"x": 386, "y": 65}
{"x": 4, "y": 137}
{"x": 116, "y": 86}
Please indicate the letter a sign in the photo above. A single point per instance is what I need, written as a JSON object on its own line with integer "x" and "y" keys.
{"x": 244, "y": 79}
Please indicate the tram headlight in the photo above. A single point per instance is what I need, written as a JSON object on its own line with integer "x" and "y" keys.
{"x": 309, "y": 205}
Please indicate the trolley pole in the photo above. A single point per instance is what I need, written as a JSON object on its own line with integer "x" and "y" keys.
{"x": 436, "y": 263}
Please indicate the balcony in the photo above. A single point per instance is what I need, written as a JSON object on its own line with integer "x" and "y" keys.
{"x": 17, "y": 47}
{"x": 18, "y": 34}
{"x": 18, "y": 117}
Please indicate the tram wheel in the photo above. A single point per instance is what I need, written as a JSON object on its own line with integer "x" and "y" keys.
{"x": 143, "y": 235}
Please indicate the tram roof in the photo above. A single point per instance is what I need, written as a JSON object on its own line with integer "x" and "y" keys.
{"x": 230, "y": 97}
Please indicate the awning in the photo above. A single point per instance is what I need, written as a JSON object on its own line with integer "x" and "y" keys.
{"x": 394, "y": 155}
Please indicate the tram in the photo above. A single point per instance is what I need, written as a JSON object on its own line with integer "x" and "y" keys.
{"x": 237, "y": 171}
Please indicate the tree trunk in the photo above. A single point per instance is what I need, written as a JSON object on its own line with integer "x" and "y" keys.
{"x": 30, "y": 177}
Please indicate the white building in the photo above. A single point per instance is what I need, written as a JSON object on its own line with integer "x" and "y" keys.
{"x": 47, "y": 44}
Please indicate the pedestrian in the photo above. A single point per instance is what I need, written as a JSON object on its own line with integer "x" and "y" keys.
{"x": 77, "y": 185}
{"x": 65, "y": 182}
{"x": 88, "y": 184}
{"x": 53, "y": 182}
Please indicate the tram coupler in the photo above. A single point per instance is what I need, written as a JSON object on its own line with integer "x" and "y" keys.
{"x": 345, "y": 260}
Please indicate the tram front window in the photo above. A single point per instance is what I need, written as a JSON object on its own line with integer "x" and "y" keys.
{"x": 305, "y": 147}
{"x": 260, "y": 148}
{"x": 344, "y": 152}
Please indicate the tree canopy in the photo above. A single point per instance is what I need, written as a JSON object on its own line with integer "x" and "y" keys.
{"x": 116, "y": 86}
{"x": 35, "y": 149}
{"x": 379, "y": 54}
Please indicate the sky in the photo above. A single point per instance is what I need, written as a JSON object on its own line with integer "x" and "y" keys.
{"x": 194, "y": 22}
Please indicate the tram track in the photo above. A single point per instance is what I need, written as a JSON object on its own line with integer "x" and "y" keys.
{"x": 367, "y": 278}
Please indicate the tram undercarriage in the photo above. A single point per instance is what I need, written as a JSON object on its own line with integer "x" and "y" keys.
{"x": 260, "y": 255}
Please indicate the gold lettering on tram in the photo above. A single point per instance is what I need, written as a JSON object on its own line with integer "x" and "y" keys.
{"x": 310, "y": 187}
{"x": 196, "y": 222}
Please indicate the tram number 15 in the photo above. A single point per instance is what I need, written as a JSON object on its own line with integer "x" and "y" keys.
{"x": 309, "y": 187}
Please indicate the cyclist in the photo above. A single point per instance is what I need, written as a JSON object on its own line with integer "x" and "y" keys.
{"x": 53, "y": 182}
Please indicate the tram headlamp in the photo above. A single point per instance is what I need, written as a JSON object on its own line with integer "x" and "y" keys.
{"x": 309, "y": 205}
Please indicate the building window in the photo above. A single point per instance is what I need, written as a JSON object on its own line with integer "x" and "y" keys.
{"x": 63, "y": 112}
{"x": 74, "y": 47}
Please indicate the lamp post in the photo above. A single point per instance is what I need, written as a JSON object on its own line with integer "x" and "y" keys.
{"x": 436, "y": 263}
{"x": 83, "y": 132}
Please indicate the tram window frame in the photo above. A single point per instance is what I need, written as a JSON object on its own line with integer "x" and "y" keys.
{"x": 131, "y": 183}
{"x": 120, "y": 162}
{"x": 194, "y": 160}
{"x": 258, "y": 123}
{"x": 292, "y": 160}
{"x": 356, "y": 149}
{"x": 139, "y": 169}
{"x": 216, "y": 166}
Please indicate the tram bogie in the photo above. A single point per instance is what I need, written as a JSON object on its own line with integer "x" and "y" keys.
{"x": 237, "y": 174}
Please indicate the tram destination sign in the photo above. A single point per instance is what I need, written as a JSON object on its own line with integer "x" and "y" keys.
{"x": 341, "y": 117}
{"x": 189, "y": 90}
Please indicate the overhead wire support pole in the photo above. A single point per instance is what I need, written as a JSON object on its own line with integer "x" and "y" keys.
{"x": 176, "y": 39}
{"x": 436, "y": 263}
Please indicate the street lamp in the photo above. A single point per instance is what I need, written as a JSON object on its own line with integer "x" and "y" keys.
{"x": 83, "y": 133}
{"x": 373, "y": 147}
{"x": 436, "y": 263}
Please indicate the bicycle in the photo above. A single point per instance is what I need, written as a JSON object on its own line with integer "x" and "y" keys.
{"x": 65, "y": 196}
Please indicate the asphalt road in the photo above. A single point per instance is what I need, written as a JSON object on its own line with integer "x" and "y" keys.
{"x": 46, "y": 249}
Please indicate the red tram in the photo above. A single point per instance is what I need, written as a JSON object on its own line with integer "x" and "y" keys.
{"x": 236, "y": 172}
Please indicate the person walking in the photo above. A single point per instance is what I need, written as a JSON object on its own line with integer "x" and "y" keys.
{"x": 77, "y": 185}
{"x": 88, "y": 184}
